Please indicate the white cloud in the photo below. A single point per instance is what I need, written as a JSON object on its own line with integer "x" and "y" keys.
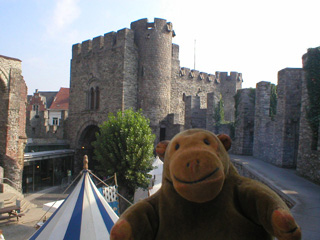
{"x": 64, "y": 14}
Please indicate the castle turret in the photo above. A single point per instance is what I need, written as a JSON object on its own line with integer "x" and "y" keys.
{"x": 154, "y": 42}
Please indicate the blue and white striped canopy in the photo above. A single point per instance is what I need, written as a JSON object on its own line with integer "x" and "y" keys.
{"x": 84, "y": 215}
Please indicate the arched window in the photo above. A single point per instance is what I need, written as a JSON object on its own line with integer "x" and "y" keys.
{"x": 92, "y": 98}
{"x": 97, "y": 97}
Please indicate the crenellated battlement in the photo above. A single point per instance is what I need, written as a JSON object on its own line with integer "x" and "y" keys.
{"x": 217, "y": 78}
{"x": 223, "y": 76}
{"x": 108, "y": 41}
{"x": 175, "y": 51}
{"x": 158, "y": 24}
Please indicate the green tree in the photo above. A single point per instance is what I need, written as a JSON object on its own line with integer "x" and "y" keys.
{"x": 124, "y": 146}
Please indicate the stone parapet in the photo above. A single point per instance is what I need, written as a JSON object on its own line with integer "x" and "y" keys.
{"x": 308, "y": 162}
{"x": 244, "y": 122}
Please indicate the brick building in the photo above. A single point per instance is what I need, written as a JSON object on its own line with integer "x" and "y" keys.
{"x": 46, "y": 115}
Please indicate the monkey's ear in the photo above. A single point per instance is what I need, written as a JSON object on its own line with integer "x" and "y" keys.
{"x": 161, "y": 148}
{"x": 226, "y": 141}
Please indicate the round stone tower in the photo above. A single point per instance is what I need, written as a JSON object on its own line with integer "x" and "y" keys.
{"x": 154, "y": 42}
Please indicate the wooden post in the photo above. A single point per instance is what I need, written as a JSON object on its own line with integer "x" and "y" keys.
{"x": 85, "y": 162}
{"x": 115, "y": 179}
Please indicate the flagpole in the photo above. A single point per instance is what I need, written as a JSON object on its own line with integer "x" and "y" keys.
{"x": 194, "y": 55}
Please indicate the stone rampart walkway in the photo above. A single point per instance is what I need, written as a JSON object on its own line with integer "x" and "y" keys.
{"x": 304, "y": 194}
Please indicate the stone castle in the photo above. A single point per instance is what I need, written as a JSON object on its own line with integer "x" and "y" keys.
{"x": 140, "y": 68}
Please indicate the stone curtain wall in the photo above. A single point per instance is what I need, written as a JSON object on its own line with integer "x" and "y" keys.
{"x": 288, "y": 116}
{"x": 195, "y": 117}
{"x": 195, "y": 83}
{"x": 263, "y": 144}
{"x": 212, "y": 101}
{"x": 13, "y": 113}
{"x": 229, "y": 86}
{"x": 276, "y": 141}
{"x": 188, "y": 82}
{"x": 244, "y": 123}
{"x": 308, "y": 163}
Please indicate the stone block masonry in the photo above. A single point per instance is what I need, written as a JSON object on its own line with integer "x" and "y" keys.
{"x": 276, "y": 139}
{"x": 263, "y": 125}
{"x": 139, "y": 68}
{"x": 308, "y": 164}
{"x": 244, "y": 122}
{"x": 13, "y": 100}
{"x": 288, "y": 116}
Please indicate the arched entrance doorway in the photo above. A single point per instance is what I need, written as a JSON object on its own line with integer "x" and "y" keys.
{"x": 85, "y": 147}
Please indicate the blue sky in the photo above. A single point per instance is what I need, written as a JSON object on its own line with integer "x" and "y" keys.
{"x": 256, "y": 38}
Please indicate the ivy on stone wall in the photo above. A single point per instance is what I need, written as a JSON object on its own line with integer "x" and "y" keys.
{"x": 219, "y": 112}
{"x": 312, "y": 70}
{"x": 273, "y": 101}
{"x": 252, "y": 98}
{"x": 236, "y": 106}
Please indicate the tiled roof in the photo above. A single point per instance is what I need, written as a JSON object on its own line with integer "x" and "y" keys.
{"x": 49, "y": 97}
{"x": 61, "y": 101}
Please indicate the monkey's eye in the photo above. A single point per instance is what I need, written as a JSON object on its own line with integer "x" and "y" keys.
{"x": 206, "y": 141}
{"x": 177, "y": 146}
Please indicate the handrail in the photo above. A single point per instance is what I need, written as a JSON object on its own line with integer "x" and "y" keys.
{"x": 18, "y": 187}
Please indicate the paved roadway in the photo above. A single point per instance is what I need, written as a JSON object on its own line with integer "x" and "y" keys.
{"x": 304, "y": 193}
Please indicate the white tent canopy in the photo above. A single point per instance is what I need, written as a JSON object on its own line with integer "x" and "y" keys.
{"x": 156, "y": 175}
{"x": 156, "y": 181}
{"x": 83, "y": 215}
{"x": 52, "y": 206}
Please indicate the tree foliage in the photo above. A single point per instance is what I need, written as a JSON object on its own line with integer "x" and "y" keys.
{"x": 124, "y": 146}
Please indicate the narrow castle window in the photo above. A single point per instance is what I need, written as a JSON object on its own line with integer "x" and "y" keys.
{"x": 162, "y": 134}
{"x": 92, "y": 98}
{"x": 97, "y": 97}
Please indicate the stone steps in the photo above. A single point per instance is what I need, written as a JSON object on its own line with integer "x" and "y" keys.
{"x": 11, "y": 196}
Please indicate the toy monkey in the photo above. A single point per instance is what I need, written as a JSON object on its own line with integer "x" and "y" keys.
{"x": 203, "y": 197}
